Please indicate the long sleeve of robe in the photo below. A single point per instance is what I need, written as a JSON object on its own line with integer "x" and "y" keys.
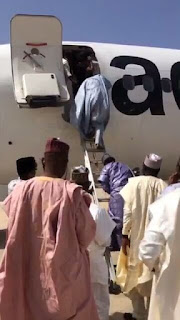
{"x": 104, "y": 178}
{"x": 45, "y": 271}
{"x": 151, "y": 247}
{"x": 128, "y": 195}
{"x": 159, "y": 250}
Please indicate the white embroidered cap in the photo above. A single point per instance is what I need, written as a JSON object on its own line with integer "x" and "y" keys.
{"x": 153, "y": 161}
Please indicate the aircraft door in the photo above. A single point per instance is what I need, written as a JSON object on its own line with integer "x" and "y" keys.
{"x": 36, "y": 57}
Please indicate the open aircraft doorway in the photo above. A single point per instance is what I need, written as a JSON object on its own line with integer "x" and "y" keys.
{"x": 83, "y": 64}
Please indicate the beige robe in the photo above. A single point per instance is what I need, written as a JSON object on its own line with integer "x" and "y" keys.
{"x": 159, "y": 250}
{"x": 138, "y": 194}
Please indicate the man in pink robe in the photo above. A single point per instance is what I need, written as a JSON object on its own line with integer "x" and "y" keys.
{"x": 45, "y": 273}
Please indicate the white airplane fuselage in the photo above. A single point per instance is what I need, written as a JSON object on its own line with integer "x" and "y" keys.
{"x": 132, "y": 131}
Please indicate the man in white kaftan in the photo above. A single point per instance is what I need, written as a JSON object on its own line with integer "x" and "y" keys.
{"x": 138, "y": 194}
{"x": 160, "y": 252}
{"x": 98, "y": 266}
{"x": 174, "y": 180}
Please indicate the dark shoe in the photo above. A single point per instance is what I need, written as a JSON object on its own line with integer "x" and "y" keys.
{"x": 114, "y": 288}
{"x": 66, "y": 117}
{"x": 128, "y": 316}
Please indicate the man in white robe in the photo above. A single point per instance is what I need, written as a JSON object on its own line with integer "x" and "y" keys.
{"x": 138, "y": 194}
{"x": 174, "y": 180}
{"x": 159, "y": 250}
{"x": 104, "y": 227}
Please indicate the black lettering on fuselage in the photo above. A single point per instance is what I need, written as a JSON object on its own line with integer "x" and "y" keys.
{"x": 120, "y": 98}
{"x": 175, "y": 80}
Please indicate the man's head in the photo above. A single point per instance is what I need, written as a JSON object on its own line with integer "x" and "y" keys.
{"x": 82, "y": 57}
{"x": 107, "y": 159}
{"x": 26, "y": 168}
{"x": 178, "y": 166}
{"x": 175, "y": 177}
{"x": 55, "y": 158}
{"x": 79, "y": 175}
{"x": 152, "y": 165}
{"x": 136, "y": 171}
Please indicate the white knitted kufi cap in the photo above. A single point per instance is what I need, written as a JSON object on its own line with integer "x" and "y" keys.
{"x": 153, "y": 161}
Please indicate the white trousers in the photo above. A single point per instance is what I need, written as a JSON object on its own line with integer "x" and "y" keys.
{"x": 101, "y": 296}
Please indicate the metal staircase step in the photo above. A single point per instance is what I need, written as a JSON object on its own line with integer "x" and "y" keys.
{"x": 98, "y": 186}
{"x": 92, "y": 160}
{"x": 93, "y": 150}
{"x": 97, "y": 173}
{"x": 96, "y": 162}
{"x": 103, "y": 199}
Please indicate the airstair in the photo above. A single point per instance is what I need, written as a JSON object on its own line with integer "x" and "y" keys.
{"x": 93, "y": 161}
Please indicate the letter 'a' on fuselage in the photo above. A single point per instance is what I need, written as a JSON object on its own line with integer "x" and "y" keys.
{"x": 36, "y": 58}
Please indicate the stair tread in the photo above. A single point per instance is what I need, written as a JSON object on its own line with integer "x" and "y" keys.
{"x": 103, "y": 199}
{"x": 98, "y": 186}
{"x": 94, "y": 150}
